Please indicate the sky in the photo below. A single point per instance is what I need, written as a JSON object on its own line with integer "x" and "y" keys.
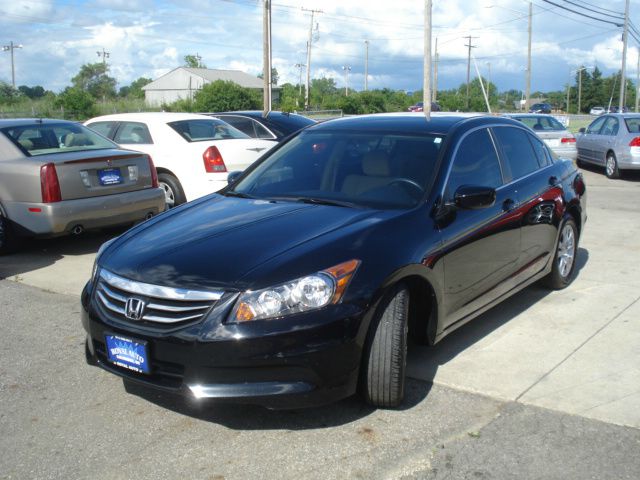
{"x": 146, "y": 38}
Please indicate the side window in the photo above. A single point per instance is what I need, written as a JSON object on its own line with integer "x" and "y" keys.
{"x": 243, "y": 124}
{"x": 611, "y": 127}
{"x": 103, "y": 128}
{"x": 476, "y": 163}
{"x": 542, "y": 154}
{"x": 596, "y": 125}
{"x": 133, "y": 133}
{"x": 518, "y": 151}
{"x": 262, "y": 132}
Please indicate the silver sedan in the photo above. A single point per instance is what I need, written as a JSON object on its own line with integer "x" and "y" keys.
{"x": 59, "y": 177}
{"x": 552, "y": 132}
{"x": 611, "y": 141}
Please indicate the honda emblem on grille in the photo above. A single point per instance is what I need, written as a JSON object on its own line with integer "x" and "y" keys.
{"x": 134, "y": 308}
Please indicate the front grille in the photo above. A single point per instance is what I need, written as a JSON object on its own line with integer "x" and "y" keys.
{"x": 159, "y": 304}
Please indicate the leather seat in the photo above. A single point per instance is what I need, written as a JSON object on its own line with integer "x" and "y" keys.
{"x": 377, "y": 173}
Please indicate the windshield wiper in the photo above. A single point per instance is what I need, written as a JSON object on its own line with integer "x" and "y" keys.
{"x": 233, "y": 193}
{"x": 325, "y": 201}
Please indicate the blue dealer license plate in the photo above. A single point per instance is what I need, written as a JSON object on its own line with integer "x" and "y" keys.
{"x": 109, "y": 176}
{"x": 128, "y": 353}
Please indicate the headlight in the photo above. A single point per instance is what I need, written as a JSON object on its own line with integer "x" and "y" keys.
{"x": 102, "y": 248}
{"x": 301, "y": 295}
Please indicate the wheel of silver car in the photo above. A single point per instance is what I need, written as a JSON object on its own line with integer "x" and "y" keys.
{"x": 565, "y": 256}
{"x": 611, "y": 166}
{"x": 173, "y": 193}
{"x": 385, "y": 355}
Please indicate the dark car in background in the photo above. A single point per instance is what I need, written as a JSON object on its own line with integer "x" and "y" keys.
{"x": 58, "y": 177}
{"x": 419, "y": 107}
{"x": 540, "y": 108}
{"x": 275, "y": 126}
{"x": 303, "y": 280}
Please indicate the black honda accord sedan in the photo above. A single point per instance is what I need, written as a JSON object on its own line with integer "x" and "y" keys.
{"x": 302, "y": 281}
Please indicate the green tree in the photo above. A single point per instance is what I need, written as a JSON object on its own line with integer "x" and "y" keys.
{"x": 220, "y": 96}
{"x": 193, "y": 61}
{"x": 8, "y": 94}
{"x": 32, "y": 92}
{"x": 274, "y": 75}
{"x": 93, "y": 78}
{"x": 77, "y": 103}
{"x": 135, "y": 89}
{"x": 323, "y": 93}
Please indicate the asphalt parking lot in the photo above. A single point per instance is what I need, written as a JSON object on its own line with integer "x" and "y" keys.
{"x": 545, "y": 385}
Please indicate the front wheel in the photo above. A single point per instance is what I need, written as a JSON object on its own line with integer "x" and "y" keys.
{"x": 611, "y": 166}
{"x": 564, "y": 261}
{"x": 386, "y": 351}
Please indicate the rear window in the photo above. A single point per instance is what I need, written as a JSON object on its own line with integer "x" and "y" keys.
{"x": 545, "y": 124}
{"x": 46, "y": 138}
{"x": 633, "y": 124}
{"x": 200, "y": 130}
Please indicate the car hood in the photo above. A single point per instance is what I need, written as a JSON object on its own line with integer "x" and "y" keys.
{"x": 216, "y": 242}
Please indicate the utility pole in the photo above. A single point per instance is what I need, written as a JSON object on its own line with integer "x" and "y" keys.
{"x": 489, "y": 81}
{"x": 638, "y": 78}
{"x": 469, "y": 65}
{"x": 266, "y": 60}
{"x": 579, "y": 88}
{"x": 104, "y": 56}
{"x": 623, "y": 73}
{"x": 11, "y": 47}
{"x": 299, "y": 67}
{"x": 198, "y": 58}
{"x": 426, "y": 91}
{"x": 435, "y": 72}
{"x": 306, "y": 92}
{"x": 366, "y": 64}
{"x": 347, "y": 69}
{"x": 528, "y": 91}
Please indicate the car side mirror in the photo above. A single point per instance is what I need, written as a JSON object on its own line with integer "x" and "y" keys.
{"x": 582, "y": 130}
{"x": 233, "y": 176}
{"x": 474, "y": 197}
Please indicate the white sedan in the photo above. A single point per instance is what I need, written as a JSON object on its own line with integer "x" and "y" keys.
{"x": 193, "y": 154}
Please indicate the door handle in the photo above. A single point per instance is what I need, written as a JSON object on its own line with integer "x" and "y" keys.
{"x": 508, "y": 205}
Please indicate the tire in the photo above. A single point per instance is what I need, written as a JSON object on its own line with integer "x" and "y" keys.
{"x": 6, "y": 236}
{"x": 385, "y": 355}
{"x": 611, "y": 166}
{"x": 564, "y": 258}
{"x": 174, "y": 195}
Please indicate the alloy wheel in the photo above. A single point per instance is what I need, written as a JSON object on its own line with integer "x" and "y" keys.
{"x": 611, "y": 165}
{"x": 566, "y": 250}
{"x": 169, "y": 195}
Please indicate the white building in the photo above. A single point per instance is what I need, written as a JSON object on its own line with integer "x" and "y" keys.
{"x": 184, "y": 82}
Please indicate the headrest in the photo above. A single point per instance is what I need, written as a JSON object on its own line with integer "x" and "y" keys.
{"x": 376, "y": 164}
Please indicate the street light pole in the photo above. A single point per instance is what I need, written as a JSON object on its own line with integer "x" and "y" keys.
{"x": 347, "y": 69}
{"x": 638, "y": 79}
{"x": 266, "y": 61}
{"x": 11, "y": 47}
{"x": 366, "y": 64}
{"x": 528, "y": 92}
{"x": 306, "y": 92}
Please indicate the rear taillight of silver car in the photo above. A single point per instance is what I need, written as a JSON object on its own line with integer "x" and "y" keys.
{"x": 49, "y": 184}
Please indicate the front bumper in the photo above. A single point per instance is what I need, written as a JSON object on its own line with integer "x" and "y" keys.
{"x": 89, "y": 213}
{"x": 281, "y": 364}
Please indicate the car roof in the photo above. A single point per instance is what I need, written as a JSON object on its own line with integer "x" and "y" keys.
{"x": 17, "y": 122}
{"x": 157, "y": 117}
{"x": 410, "y": 122}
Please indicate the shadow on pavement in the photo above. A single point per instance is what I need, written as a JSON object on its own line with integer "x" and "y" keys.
{"x": 35, "y": 253}
{"x": 630, "y": 175}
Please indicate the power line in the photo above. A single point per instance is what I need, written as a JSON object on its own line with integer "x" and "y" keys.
{"x": 582, "y": 14}
{"x": 619, "y": 16}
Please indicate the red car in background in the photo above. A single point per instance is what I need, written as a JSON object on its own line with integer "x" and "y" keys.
{"x": 419, "y": 107}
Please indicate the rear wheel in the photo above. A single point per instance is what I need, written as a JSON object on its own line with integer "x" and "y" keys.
{"x": 564, "y": 261}
{"x": 173, "y": 193}
{"x": 611, "y": 166}
{"x": 386, "y": 352}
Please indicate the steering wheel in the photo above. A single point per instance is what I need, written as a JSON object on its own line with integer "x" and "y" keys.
{"x": 411, "y": 183}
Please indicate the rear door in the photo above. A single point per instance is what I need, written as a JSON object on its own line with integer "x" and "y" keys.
{"x": 530, "y": 172}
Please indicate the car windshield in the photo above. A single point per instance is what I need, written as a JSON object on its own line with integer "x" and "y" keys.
{"x": 46, "y": 138}
{"x": 201, "y": 130}
{"x": 355, "y": 169}
{"x": 541, "y": 123}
